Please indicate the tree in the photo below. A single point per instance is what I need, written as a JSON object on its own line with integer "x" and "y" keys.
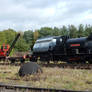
{"x": 21, "y": 45}
{"x": 63, "y": 31}
{"x": 80, "y": 32}
{"x": 9, "y": 35}
{"x": 29, "y": 37}
{"x": 88, "y": 30}
{"x": 55, "y": 31}
{"x": 2, "y": 38}
{"x": 45, "y": 31}
{"x": 36, "y": 35}
{"x": 72, "y": 31}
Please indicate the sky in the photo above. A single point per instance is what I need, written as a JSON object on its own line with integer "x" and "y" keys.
{"x": 34, "y": 14}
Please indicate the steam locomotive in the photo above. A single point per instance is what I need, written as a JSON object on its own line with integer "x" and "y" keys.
{"x": 63, "y": 48}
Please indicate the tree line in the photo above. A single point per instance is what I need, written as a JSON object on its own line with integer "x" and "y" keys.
{"x": 28, "y": 37}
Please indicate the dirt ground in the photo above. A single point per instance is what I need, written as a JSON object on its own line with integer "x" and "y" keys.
{"x": 59, "y": 78}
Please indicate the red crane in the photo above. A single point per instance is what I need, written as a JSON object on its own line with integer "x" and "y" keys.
{"x": 6, "y": 49}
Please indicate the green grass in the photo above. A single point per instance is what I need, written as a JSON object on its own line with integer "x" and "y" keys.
{"x": 71, "y": 79}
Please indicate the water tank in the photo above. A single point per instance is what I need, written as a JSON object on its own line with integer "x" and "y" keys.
{"x": 44, "y": 44}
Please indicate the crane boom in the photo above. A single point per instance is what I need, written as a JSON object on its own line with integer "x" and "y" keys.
{"x": 13, "y": 44}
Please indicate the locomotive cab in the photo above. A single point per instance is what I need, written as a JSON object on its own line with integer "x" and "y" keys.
{"x": 3, "y": 50}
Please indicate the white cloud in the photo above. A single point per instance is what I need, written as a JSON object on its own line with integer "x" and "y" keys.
{"x": 33, "y": 14}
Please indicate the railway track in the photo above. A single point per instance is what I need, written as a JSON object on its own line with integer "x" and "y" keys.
{"x": 21, "y": 88}
{"x": 70, "y": 66}
{"x": 63, "y": 65}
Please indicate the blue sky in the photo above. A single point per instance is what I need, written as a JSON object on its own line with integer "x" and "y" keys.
{"x": 34, "y": 14}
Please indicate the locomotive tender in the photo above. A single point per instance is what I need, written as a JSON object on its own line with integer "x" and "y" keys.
{"x": 63, "y": 48}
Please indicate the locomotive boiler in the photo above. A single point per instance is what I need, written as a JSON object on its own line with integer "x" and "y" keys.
{"x": 63, "y": 48}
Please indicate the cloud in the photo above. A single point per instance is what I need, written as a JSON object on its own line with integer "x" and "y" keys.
{"x": 34, "y": 14}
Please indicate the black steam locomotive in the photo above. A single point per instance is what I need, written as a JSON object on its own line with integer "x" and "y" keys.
{"x": 63, "y": 48}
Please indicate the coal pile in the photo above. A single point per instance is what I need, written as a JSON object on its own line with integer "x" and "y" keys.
{"x": 29, "y": 68}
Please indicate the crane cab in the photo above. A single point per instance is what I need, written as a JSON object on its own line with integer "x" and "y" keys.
{"x": 4, "y": 49}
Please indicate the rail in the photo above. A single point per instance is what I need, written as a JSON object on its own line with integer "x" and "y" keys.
{"x": 69, "y": 66}
{"x": 21, "y": 88}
